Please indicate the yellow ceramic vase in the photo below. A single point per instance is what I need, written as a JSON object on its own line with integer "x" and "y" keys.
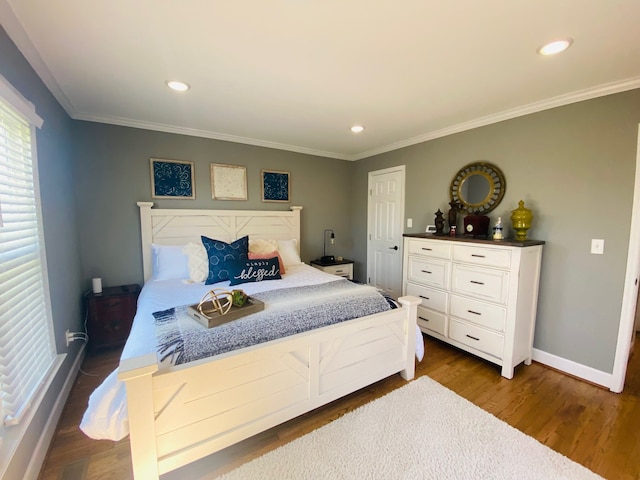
{"x": 521, "y": 218}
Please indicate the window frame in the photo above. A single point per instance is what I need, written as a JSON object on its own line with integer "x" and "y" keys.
{"x": 22, "y": 417}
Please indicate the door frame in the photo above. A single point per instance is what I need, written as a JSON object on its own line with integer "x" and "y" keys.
{"x": 629, "y": 295}
{"x": 402, "y": 169}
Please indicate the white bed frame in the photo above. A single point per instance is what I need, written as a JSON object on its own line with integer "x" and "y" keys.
{"x": 180, "y": 414}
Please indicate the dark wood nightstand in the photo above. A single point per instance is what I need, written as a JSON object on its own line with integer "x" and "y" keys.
{"x": 110, "y": 315}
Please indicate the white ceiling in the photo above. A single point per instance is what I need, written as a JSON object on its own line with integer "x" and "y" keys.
{"x": 296, "y": 74}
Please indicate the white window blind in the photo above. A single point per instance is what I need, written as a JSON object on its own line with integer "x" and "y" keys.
{"x": 27, "y": 351}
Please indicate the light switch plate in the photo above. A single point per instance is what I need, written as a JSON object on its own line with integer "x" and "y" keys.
{"x": 597, "y": 246}
{"x": 409, "y": 222}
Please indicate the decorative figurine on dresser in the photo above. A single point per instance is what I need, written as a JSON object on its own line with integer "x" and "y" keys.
{"x": 453, "y": 217}
{"x": 439, "y": 221}
{"x": 521, "y": 218}
{"x": 110, "y": 315}
{"x": 478, "y": 294}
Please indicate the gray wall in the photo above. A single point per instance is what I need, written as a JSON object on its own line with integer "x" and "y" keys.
{"x": 60, "y": 233}
{"x": 574, "y": 167}
{"x": 112, "y": 174}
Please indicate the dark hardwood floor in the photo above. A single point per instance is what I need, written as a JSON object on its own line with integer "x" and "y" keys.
{"x": 589, "y": 424}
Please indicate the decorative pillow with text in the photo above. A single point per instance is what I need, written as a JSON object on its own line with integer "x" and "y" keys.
{"x": 253, "y": 271}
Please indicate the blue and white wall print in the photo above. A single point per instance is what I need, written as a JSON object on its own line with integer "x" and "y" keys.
{"x": 172, "y": 179}
{"x": 275, "y": 186}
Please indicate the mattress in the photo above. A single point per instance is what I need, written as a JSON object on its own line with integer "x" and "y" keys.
{"x": 106, "y": 414}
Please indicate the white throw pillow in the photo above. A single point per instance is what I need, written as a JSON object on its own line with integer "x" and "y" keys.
{"x": 288, "y": 250}
{"x": 197, "y": 261}
{"x": 260, "y": 245}
{"x": 169, "y": 262}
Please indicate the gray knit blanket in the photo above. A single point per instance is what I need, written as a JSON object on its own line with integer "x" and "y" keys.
{"x": 181, "y": 339}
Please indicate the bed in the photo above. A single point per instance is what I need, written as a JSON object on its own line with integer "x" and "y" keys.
{"x": 177, "y": 414}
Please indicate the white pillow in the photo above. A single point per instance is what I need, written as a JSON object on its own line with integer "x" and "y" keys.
{"x": 197, "y": 261}
{"x": 169, "y": 262}
{"x": 260, "y": 245}
{"x": 288, "y": 250}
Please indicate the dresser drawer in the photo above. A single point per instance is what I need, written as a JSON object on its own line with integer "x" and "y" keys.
{"x": 483, "y": 283}
{"x": 115, "y": 307}
{"x": 428, "y": 272}
{"x": 477, "y": 337}
{"x": 480, "y": 313}
{"x": 433, "y": 299}
{"x": 434, "y": 321}
{"x": 340, "y": 270}
{"x": 489, "y": 257}
{"x": 435, "y": 249}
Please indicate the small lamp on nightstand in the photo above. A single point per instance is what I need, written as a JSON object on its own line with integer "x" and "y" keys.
{"x": 327, "y": 258}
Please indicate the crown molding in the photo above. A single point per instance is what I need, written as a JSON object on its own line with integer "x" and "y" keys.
{"x": 559, "y": 101}
{"x": 16, "y": 32}
{"x": 126, "y": 122}
{"x": 19, "y": 36}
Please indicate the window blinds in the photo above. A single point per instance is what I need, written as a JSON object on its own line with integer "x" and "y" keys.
{"x": 27, "y": 351}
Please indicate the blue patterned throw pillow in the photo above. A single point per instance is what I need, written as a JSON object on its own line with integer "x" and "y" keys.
{"x": 253, "y": 271}
{"x": 220, "y": 253}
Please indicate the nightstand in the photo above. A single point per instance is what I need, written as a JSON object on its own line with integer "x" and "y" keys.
{"x": 110, "y": 315}
{"x": 342, "y": 268}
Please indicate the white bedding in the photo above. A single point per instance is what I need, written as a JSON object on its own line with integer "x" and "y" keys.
{"x": 106, "y": 415}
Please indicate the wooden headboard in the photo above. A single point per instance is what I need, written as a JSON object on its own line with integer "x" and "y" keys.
{"x": 181, "y": 226}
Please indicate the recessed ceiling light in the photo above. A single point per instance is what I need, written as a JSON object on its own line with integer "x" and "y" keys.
{"x": 178, "y": 86}
{"x": 357, "y": 129}
{"x": 556, "y": 46}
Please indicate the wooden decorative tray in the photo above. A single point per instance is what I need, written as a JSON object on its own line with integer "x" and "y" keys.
{"x": 251, "y": 306}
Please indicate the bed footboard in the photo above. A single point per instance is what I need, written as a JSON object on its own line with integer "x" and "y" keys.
{"x": 180, "y": 414}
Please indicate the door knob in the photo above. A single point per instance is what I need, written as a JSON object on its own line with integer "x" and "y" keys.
{"x": 393, "y": 248}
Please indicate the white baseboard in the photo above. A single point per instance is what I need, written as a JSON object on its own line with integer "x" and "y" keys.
{"x": 41, "y": 449}
{"x": 572, "y": 368}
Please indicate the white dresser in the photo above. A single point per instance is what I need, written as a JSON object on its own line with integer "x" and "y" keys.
{"x": 479, "y": 295}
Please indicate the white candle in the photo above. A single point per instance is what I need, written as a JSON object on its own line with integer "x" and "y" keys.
{"x": 97, "y": 285}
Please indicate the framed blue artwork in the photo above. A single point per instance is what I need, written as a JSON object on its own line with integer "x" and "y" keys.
{"x": 172, "y": 179}
{"x": 275, "y": 186}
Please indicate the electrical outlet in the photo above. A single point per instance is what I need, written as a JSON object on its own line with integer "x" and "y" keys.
{"x": 69, "y": 337}
{"x": 409, "y": 222}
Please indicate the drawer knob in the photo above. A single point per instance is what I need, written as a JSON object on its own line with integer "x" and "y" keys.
{"x": 473, "y": 338}
{"x": 426, "y": 271}
{"x": 422, "y": 318}
{"x": 427, "y": 249}
{"x": 476, "y": 282}
{"x": 476, "y": 255}
{"x": 475, "y": 313}
{"x": 422, "y": 296}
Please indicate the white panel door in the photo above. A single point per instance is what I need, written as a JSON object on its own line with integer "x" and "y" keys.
{"x": 385, "y": 227}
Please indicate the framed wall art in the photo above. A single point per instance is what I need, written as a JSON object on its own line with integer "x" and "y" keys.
{"x": 276, "y": 186}
{"x": 228, "y": 182}
{"x": 172, "y": 179}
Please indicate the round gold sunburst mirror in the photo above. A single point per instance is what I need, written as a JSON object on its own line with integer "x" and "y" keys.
{"x": 478, "y": 188}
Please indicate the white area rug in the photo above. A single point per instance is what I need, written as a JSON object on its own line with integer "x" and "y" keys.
{"x": 419, "y": 431}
